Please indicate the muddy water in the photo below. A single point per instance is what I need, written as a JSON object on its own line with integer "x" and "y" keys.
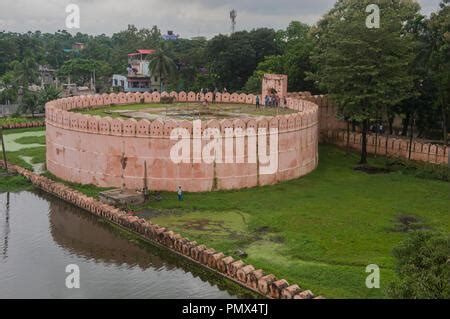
{"x": 40, "y": 235}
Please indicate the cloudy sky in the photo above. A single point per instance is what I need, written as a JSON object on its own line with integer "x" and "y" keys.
{"x": 186, "y": 17}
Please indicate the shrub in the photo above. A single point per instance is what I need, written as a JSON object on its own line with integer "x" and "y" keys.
{"x": 419, "y": 169}
{"x": 167, "y": 99}
{"x": 423, "y": 263}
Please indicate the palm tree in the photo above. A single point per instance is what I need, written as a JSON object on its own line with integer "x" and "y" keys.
{"x": 49, "y": 93}
{"x": 26, "y": 71}
{"x": 161, "y": 64}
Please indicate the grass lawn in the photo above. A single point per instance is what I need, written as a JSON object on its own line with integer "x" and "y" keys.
{"x": 320, "y": 231}
{"x": 26, "y": 147}
{"x": 184, "y": 110}
{"x": 13, "y": 183}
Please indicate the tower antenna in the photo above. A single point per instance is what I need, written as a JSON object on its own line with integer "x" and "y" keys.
{"x": 233, "y": 16}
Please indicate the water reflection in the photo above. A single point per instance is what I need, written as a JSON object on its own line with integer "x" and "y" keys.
{"x": 42, "y": 235}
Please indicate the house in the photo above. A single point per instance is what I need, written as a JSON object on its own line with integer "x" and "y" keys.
{"x": 121, "y": 82}
{"x": 47, "y": 76}
{"x": 139, "y": 77}
{"x": 78, "y": 46}
{"x": 170, "y": 36}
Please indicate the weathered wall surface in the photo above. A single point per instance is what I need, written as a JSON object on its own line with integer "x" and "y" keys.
{"x": 8, "y": 109}
{"x": 91, "y": 150}
{"x": 396, "y": 147}
{"x": 279, "y": 82}
{"x": 333, "y": 130}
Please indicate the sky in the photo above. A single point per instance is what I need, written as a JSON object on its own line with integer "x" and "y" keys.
{"x": 189, "y": 18}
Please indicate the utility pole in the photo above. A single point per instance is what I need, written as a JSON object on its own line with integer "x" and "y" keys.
{"x": 411, "y": 137}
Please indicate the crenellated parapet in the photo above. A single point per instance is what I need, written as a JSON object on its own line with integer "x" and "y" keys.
{"x": 58, "y": 113}
{"x": 112, "y": 152}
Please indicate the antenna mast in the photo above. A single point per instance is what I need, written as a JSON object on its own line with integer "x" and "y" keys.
{"x": 233, "y": 15}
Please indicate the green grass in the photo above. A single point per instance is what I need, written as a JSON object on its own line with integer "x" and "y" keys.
{"x": 35, "y": 155}
{"x": 109, "y": 110}
{"x": 320, "y": 231}
{"x": 88, "y": 190}
{"x": 13, "y": 182}
{"x": 31, "y": 140}
{"x": 25, "y": 147}
{"x": 184, "y": 108}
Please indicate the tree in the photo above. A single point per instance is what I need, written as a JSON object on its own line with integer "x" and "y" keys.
{"x": 440, "y": 61}
{"x": 365, "y": 70}
{"x": 271, "y": 64}
{"x": 49, "y": 93}
{"x": 82, "y": 70}
{"x": 25, "y": 71}
{"x": 161, "y": 64}
{"x": 8, "y": 88}
{"x": 423, "y": 267}
{"x": 30, "y": 102}
{"x": 234, "y": 58}
{"x": 295, "y": 61}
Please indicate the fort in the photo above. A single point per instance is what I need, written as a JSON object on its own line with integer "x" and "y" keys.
{"x": 115, "y": 152}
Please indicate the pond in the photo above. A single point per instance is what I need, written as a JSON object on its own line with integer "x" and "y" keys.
{"x": 40, "y": 235}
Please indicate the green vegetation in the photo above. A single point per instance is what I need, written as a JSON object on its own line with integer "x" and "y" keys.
{"x": 25, "y": 147}
{"x": 31, "y": 140}
{"x": 297, "y": 47}
{"x": 27, "y": 157}
{"x": 423, "y": 267}
{"x": 18, "y": 119}
{"x": 112, "y": 110}
{"x": 419, "y": 169}
{"x": 89, "y": 190}
{"x": 162, "y": 64}
{"x": 352, "y": 50}
{"x": 185, "y": 110}
{"x": 13, "y": 183}
{"x": 320, "y": 231}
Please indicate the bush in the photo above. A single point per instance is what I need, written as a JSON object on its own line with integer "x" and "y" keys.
{"x": 423, "y": 170}
{"x": 423, "y": 263}
{"x": 167, "y": 99}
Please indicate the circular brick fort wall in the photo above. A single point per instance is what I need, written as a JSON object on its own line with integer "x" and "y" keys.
{"x": 110, "y": 152}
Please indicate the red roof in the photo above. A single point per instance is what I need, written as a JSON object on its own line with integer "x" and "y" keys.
{"x": 142, "y": 51}
{"x": 146, "y": 51}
